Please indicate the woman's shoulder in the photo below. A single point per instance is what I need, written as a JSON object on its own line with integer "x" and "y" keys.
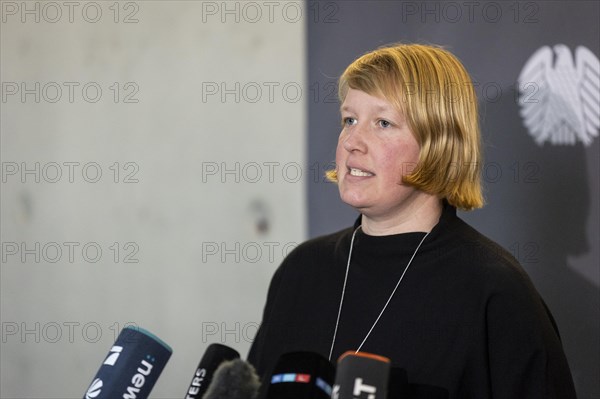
{"x": 310, "y": 262}
{"x": 483, "y": 269}
{"x": 473, "y": 253}
{"x": 314, "y": 250}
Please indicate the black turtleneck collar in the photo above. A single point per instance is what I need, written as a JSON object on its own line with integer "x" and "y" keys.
{"x": 448, "y": 213}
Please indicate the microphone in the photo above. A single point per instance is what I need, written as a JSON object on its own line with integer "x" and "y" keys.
{"x": 234, "y": 379}
{"x": 398, "y": 385}
{"x": 361, "y": 375}
{"x": 215, "y": 355}
{"x": 132, "y": 366}
{"x": 301, "y": 375}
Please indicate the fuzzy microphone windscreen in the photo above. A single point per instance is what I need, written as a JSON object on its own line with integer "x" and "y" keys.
{"x": 234, "y": 379}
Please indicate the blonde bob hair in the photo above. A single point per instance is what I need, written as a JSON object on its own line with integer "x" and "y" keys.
{"x": 432, "y": 89}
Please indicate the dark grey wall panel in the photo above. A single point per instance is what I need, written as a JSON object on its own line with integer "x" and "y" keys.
{"x": 542, "y": 201}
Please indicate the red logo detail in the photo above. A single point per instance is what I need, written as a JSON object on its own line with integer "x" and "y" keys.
{"x": 303, "y": 378}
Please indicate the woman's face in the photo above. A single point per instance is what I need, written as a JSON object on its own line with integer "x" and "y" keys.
{"x": 375, "y": 148}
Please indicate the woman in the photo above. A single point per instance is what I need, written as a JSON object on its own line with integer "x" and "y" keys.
{"x": 410, "y": 280}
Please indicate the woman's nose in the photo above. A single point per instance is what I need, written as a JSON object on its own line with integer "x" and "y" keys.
{"x": 355, "y": 140}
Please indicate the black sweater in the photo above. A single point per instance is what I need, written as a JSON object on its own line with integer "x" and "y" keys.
{"x": 466, "y": 318}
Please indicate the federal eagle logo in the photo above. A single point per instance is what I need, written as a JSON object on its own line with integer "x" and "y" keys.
{"x": 559, "y": 96}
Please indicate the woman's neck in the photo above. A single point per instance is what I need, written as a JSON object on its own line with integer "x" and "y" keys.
{"x": 420, "y": 216}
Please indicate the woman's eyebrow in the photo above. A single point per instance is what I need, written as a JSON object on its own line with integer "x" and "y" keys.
{"x": 377, "y": 108}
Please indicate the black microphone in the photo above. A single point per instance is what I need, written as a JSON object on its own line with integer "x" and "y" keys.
{"x": 361, "y": 375}
{"x": 301, "y": 375}
{"x": 132, "y": 366}
{"x": 234, "y": 379}
{"x": 215, "y": 355}
{"x": 398, "y": 385}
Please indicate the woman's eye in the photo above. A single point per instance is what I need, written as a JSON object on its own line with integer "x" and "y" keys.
{"x": 349, "y": 121}
{"x": 384, "y": 123}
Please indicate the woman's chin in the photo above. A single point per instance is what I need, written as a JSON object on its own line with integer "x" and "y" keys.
{"x": 356, "y": 201}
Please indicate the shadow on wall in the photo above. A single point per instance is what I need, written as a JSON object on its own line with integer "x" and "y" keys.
{"x": 544, "y": 200}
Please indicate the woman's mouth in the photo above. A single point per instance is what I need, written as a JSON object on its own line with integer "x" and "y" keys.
{"x": 358, "y": 172}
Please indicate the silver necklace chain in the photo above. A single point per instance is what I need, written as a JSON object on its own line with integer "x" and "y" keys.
{"x": 337, "y": 322}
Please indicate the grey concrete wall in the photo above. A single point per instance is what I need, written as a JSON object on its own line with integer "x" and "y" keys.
{"x": 198, "y": 198}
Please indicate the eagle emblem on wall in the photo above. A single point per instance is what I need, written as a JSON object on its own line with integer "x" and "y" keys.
{"x": 559, "y": 96}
